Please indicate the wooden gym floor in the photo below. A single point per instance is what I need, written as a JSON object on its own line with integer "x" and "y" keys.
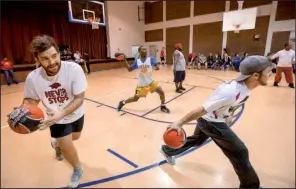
{"x": 120, "y": 149}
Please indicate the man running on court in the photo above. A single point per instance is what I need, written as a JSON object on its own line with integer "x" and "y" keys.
{"x": 214, "y": 116}
{"x": 61, "y": 87}
{"x": 145, "y": 83}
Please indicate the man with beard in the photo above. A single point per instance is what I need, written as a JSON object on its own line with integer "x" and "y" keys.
{"x": 214, "y": 116}
{"x": 61, "y": 87}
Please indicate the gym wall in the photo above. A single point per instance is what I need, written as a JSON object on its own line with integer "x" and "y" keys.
{"x": 203, "y": 16}
{"x": 124, "y": 29}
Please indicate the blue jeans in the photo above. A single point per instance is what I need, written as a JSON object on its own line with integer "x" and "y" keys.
{"x": 225, "y": 65}
{"x": 7, "y": 74}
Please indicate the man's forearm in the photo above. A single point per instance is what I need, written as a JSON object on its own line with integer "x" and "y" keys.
{"x": 193, "y": 115}
{"x": 127, "y": 65}
{"x": 30, "y": 101}
{"x": 72, "y": 106}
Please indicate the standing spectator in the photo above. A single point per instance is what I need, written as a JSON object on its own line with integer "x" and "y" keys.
{"x": 286, "y": 58}
{"x": 7, "y": 68}
{"x": 86, "y": 58}
{"x": 162, "y": 56}
{"x": 179, "y": 65}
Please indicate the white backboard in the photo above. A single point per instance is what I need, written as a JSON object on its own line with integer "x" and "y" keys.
{"x": 245, "y": 17}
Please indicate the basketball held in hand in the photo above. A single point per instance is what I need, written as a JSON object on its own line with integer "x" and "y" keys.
{"x": 173, "y": 140}
{"x": 119, "y": 56}
{"x": 25, "y": 119}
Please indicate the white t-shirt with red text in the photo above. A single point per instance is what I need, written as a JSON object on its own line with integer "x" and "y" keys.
{"x": 56, "y": 92}
{"x": 225, "y": 100}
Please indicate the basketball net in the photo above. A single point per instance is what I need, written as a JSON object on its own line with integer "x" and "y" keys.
{"x": 94, "y": 23}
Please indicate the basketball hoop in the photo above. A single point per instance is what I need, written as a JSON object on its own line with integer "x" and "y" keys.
{"x": 94, "y": 23}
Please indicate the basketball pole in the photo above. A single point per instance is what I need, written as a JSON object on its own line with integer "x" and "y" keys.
{"x": 240, "y": 7}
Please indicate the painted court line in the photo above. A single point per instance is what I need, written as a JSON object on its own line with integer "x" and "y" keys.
{"x": 146, "y": 168}
{"x": 123, "y": 158}
{"x": 169, "y": 101}
{"x": 130, "y": 113}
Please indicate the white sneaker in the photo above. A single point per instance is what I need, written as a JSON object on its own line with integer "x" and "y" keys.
{"x": 169, "y": 159}
{"x": 75, "y": 178}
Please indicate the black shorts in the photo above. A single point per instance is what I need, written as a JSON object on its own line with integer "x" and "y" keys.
{"x": 179, "y": 76}
{"x": 162, "y": 58}
{"x": 61, "y": 130}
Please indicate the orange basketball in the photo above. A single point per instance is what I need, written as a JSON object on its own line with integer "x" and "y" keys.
{"x": 119, "y": 56}
{"x": 25, "y": 118}
{"x": 173, "y": 140}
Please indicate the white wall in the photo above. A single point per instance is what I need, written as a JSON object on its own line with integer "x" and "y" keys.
{"x": 158, "y": 44}
{"x": 124, "y": 29}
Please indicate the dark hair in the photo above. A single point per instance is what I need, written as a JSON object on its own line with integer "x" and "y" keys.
{"x": 42, "y": 43}
{"x": 139, "y": 49}
{"x": 287, "y": 44}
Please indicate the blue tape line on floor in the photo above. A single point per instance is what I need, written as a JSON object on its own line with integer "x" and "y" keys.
{"x": 96, "y": 182}
{"x": 169, "y": 101}
{"x": 122, "y": 158}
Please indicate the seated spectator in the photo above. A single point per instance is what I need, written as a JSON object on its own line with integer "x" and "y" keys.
{"x": 226, "y": 62}
{"x": 244, "y": 56}
{"x": 7, "y": 68}
{"x": 202, "y": 60}
{"x": 217, "y": 62}
{"x": 236, "y": 62}
{"x": 77, "y": 57}
{"x": 210, "y": 60}
{"x": 192, "y": 60}
{"x": 63, "y": 55}
{"x": 69, "y": 56}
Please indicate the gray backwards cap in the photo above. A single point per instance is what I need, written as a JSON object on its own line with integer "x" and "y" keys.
{"x": 252, "y": 64}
